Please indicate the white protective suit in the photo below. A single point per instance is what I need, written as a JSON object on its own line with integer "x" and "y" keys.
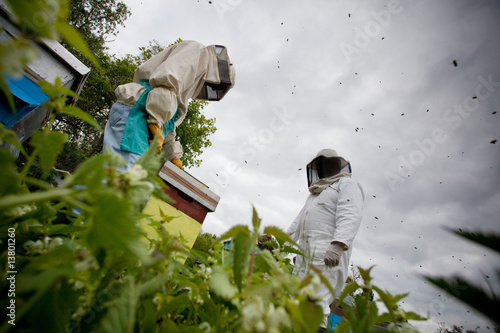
{"x": 332, "y": 215}
{"x": 176, "y": 74}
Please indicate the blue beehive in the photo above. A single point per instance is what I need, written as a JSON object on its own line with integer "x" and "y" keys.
{"x": 53, "y": 62}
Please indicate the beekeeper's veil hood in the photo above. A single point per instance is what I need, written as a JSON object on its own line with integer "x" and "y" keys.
{"x": 327, "y": 165}
{"x": 220, "y": 74}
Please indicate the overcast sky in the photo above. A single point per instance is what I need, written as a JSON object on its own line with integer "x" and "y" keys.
{"x": 408, "y": 91}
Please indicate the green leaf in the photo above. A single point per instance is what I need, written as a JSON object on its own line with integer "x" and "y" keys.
{"x": 241, "y": 252}
{"x": 168, "y": 325}
{"x": 255, "y": 220}
{"x": 91, "y": 171}
{"x": 14, "y": 56}
{"x": 219, "y": 283}
{"x": 6, "y": 91}
{"x": 112, "y": 228}
{"x": 16, "y": 200}
{"x": 295, "y": 316}
{"x": 240, "y": 228}
{"x": 52, "y": 312}
{"x": 55, "y": 90}
{"x": 312, "y": 315}
{"x": 491, "y": 241}
{"x": 30, "y": 13}
{"x": 279, "y": 234}
{"x": 63, "y": 229}
{"x": 470, "y": 294}
{"x": 120, "y": 314}
{"x": 177, "y": 304}
{"x": 43, "y": 271}
{"x": 267, "y": 263}
{"x": 73, "y": 38}
{"x": 77, "y": 112}
{"x": 147, "y": 315}
{"x": 390, "y": 302}
{"x": 200, "y": 255}
{"x": 292, "y": 250}
{"x": 49, "y": 146}
{"x": 10, "y": 137}
{"x": 349, "y": 289}
{"x": 9, "y": 179}
{"x": 385, "y": 317}
{"x": 155, "y": 284}
{"x": 151, "y": 161}
{"x": 365, "y": 274}
{"x": 414, "y": 316}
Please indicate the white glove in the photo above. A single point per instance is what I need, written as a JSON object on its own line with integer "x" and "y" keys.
{"x": 333, "y": 254}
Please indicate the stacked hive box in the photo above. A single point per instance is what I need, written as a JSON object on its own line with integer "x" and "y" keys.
{"x": 191, "y": 201}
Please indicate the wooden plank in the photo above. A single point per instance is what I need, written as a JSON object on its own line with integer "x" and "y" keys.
{"x": 190, "y": 186}
{"x": 186, "y": 204}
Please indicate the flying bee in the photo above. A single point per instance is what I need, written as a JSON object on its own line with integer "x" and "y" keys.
{"x": 455, "y": 62}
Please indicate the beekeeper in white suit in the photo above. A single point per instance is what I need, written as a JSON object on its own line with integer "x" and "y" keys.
{"x": 327, "y": 224}
{"x": 156, "y": 102}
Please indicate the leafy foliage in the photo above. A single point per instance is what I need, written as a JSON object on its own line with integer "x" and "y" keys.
{"x": 95, "y": 20}
{"x": 363, "y": 315}
{"x": 194, "y": 132}
{"x": 202, "y": 247}
{"x": 485, "y": 302}
{"x": 455, "y": 329}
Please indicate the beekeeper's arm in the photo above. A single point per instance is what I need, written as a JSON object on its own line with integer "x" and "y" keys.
{"x": 175, "y": 72}
{"x": 172, "y": 74}
{"x": 348, "y": 218}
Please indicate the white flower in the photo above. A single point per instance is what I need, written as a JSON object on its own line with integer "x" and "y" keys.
{"x": 252, "y": 314}
{"x": 50, "y": 244}
{"x": 316, "y": 281}
{"x": 150, "y": 187}
{"x": 79, "y": 313}
{"x": 136, "y": 173}
{"x": 87, "y": 263}
{"x": 277, "y": 317}
{"x": 205, "y": 326}
{"x": 34, "y": 247}
{"x": 260, "y": 326}
{"x": 204, "y": 271}
{"x": 20, "y": 210}
{"x": 78, "y": 285}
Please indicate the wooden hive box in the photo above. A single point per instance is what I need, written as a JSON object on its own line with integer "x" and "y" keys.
{"x": 192, "y": 200}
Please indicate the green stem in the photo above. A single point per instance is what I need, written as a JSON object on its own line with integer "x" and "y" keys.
{"x": 250, "y": 267}
{"x": 37, "y": 182}
{"x": 28, "y": 164}
{"x": 78, "y": 203}
{"x": 17, "y": 200}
